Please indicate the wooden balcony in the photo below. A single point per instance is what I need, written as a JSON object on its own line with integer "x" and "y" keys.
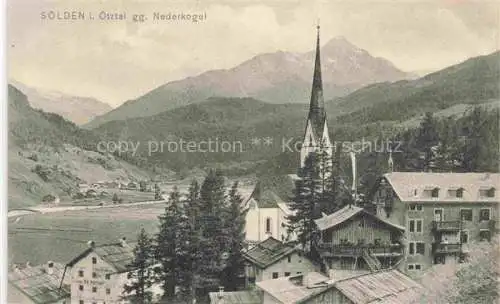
{"x": 356, "y": 250}
{"x": 441, "y": 248}
{"x": 451, "y": 226}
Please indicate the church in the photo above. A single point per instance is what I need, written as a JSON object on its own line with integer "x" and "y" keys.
{"x": 266, "y": 211}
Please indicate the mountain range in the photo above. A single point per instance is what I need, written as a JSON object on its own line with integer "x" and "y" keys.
{"x": 279, "y": 77}
{"x": 383, "y": 108}
{"x": 77, "y": 109}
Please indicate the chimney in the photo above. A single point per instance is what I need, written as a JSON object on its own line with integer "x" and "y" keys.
{"x": 50, "y": 267}
{"x": 91, "y": 244}
{"x": 221, "y": 292}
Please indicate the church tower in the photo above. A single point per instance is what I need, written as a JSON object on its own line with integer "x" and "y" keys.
{"x": 316, "y": 138}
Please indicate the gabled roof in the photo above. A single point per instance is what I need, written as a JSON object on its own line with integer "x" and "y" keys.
{"x": 295, "y": 288}
{"x": 380, "y": 287}
{"x": 117, "y": 255}
{"x": 346, "y": 213}
{"x": 268, "y": 252}
{"x": 405, "y": 184}
{"x": 264, "y": 198}
{"x": 237, "y": 297}
{"x": 39, "y": 284}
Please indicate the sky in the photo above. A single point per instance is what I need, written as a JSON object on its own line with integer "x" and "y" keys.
{"x": 118, "y": 60}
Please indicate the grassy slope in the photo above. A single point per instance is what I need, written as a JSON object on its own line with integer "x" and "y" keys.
{"x": 58, "y": 146}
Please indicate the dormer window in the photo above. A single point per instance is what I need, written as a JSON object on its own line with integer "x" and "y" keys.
{"x": 456, "y": 192}
{"x": 435, "y": 192}
{"x": 487, "y": 192}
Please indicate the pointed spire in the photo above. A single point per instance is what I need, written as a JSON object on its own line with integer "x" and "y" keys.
{"x": 317, "y": 102}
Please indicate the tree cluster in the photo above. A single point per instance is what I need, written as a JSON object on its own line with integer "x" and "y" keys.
{"x": 199, "y": 243}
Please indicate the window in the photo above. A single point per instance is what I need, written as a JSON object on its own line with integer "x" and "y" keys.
{"x": 275, "y": 275}
{"x": 108, "y": 291}
{"x": 484, "y": 214}
{"x": 299, "y": 272}
{"x": 435, "y": 192}
{"x": 415, "y": 207}
{"x": 80, "y": 287}
{"x": 80, "y": 273}
{"x": 289, "y": 259}
{"x": 418, "y": 266}
{"x": 484, "y": 235}
{"x": 411, "y": 266}
{"x": 460, "y": 193}
{"x": 94, "y": 260}
{"x": 416, "y": 248}
{"x": 81, "y": 302}
{"x": 362, "y": 223}
{"x": 487, "y": 192}
{"x": 129, "y": 275}
{"x": 415, "y": 225}
{"x": 414, "y": 267}
{"x": 107, "y": 276}
{"x": 464, "y": 236}
{"x": 94, "y": 275}
{"x": 94, "y": 289}
{"x": 268, "y": 225}
{"x": 287, "y": 274}
{"x": 420, "y": 248}
{"x": 466, "y": 214}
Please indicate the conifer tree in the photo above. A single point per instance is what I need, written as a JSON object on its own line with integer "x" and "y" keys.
{"x": 235, "y": 238}
{"x": 305, "y": 202}
{"x": 210, "y": 227}
{"x": 427, "y": 141}
{"x": 137, "y": 290}
{"x": 167, "y": 245}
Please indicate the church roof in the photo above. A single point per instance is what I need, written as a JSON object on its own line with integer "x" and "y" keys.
{"x": 265, "y": 198}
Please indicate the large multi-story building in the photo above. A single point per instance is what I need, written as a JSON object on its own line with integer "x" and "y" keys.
{"x": 98, "y": 275}
{"x": 443, "y": 213}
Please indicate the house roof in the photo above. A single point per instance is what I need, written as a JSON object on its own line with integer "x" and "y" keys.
{"x": 387, "y": 287}
{"x": 268, "y": 252}
{"x": 118, "y": 255}
{"x": 237, "y": 297}
{"x": 346, "y": 213}
{"x": 380, "y": 287}
{"x": 295, "y": 288}
{"x": 405, "y": 184}
{"x": 38, "y": 284}
{"x": 264, "y": 198}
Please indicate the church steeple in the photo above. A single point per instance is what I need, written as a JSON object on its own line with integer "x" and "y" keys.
{"x": 317, "y": 113}
{"x": 316, "y": 134}
{"x": 317, "y": 102}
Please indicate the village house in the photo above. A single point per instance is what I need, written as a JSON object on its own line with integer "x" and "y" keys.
{"x": 99, "y": 274}
{"x": 38, "y": 285}
{"x": 354, "y": 239}
{"x": 236, "y": 297}
{"x": 266, "y": 216}
{"x": 271, "y": 259}
{"x": 386, "y": 286}
{"x": 443, "y": 213}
